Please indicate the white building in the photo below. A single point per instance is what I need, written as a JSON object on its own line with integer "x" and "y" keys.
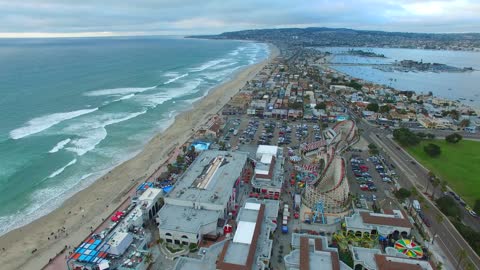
{"x": 268, "y": 176}
{"x": 388, "y": 222}
{"x": 203, "y": 199}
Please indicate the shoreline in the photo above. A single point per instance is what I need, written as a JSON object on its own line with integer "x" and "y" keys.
{"x": 34, "y": 244}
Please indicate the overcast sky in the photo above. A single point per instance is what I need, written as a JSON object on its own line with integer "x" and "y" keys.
{"x": 181, "y": 17}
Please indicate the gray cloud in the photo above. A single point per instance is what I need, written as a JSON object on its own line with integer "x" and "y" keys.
{"x": 215, "y": 16}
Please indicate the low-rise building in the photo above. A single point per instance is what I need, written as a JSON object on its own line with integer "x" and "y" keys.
{"x": 386, "y": 223}
{"x": 373, "y": 259}
{"x": 250, "y": 246}
{"x": 312, "y": 252}
{"x": 268, "y": 175}
{"x": 203, "y": 199}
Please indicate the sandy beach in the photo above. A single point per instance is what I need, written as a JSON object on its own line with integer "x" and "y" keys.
{"x": 32, "y": 246}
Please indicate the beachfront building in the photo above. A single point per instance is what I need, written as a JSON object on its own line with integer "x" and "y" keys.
{"x": 388, "y": 222}
{"x": 268, "y": 176}
{"x": 148, "y": 198}
{"x": 123, "y": 244}
{"x": 203, "y": 199}
{"x": 312, "y": 252}
{"x": 249, "y": 247}
{"x": 373, "y": 259}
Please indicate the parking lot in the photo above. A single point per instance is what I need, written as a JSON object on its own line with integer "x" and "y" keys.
{"x": 369, "y": 178}
{"x": 243, "y": 130}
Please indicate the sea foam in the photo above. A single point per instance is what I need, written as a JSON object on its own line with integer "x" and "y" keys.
{"x": 59, "y": 146}
{"x": 207, "y": 65}
{"x": 59, "y": 171}
{"x": 176, "y": 78}
{"x": 117, "y": 91}
{"x": 42, "y": 123}
{"x": 93, "y": 131}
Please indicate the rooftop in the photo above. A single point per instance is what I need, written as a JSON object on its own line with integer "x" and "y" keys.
{"x": 312, "y": 252}
{"x": 383, "y": 222}
{"x": 251, "y": 242}
{"x": 185, "y": 219}
{"x": 209, "y": 179}
{"x": 269, "y": 175}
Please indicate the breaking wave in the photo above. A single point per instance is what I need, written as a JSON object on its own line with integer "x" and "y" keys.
{"x": 42, "y": 123}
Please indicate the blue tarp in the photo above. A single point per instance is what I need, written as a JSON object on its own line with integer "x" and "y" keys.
{"x": 167, "y": 189}
{"x": 201, "y": 146}
{"x": 144, "y": 186}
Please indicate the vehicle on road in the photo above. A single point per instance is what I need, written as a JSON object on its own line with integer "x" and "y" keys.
{"x": 416, "y": 205}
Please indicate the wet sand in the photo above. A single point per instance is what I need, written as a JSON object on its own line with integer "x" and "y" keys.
{"x": 32, "y": 246}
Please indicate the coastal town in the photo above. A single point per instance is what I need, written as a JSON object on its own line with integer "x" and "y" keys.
{"x": 301, "y": 169}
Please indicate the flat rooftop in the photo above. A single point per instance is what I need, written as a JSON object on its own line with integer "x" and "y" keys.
{"x": 312, "y": 252}
{"x": 210, "y": 178}
{"x": 251, "y": 245}
{"x": 275, "y": 176}
{"x": 185, "y": 219}
{"x": 378, "y": 221}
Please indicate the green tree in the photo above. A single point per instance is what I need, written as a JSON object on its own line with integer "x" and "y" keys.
{"x": 321, "y": 106}
{"x": 476, "y": 206}
{"x": 453, "y": 138}
{"x": 454, "y": 114}
{"x": 430, "y": 136}
{"x": 355, "y": 85}
{"x": 384, "y": 109}
{"x": 403, "y": 193}
{"x": 373, "y": 107}
{"x": 447, "y": 205}
{"x": 464, "y": 123}
{"x": 406, "y": 137}
{"x": 373, "y": 149}
{"x": 432, "y": 150}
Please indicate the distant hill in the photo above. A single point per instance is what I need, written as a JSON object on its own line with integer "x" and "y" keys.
{"x": 322, "y": 36}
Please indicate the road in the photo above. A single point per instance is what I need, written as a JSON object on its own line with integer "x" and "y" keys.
{"x": 411, "y": 174}
{"x": 448, "y": 238}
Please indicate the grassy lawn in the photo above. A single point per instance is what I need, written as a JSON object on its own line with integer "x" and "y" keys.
{"x": 458, "y": 164}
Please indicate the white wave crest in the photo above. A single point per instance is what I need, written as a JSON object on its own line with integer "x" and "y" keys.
{"x": 59, "y": 146}
{"x": 156, "y": 99}
{"x": 224, "y": 65}
{"x": 92, "y": 132}
{"x": 125, "y": 97}
{"x": 176, "y": 78}
{"x": 59, "y": 171}
{"x": 208, "y": 64}
{"x": 117, "y": 91}
{"x": 42, "y": 123}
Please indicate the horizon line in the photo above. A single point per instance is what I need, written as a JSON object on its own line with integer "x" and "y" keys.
{"x": 20, "y": 35}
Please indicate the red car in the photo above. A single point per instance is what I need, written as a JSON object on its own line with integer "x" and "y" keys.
{"x": 363, "y": 168}
{"x": 364, "y": 187}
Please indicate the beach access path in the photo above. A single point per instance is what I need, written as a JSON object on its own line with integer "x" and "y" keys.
{"x": 34, "y": 245}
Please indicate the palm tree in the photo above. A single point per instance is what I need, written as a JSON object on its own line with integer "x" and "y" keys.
{"x": 461, "y": 255}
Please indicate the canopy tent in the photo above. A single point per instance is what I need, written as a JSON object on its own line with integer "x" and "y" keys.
{"x": 91, "y": 251}
{"x": 295, "y": 159}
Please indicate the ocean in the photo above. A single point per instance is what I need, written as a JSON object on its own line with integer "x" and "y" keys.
{"x": 72, "y": 109}
{"x": 464, "y": 86}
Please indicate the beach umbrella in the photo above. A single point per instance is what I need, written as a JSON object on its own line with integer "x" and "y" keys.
{"x": 409, "y": 248}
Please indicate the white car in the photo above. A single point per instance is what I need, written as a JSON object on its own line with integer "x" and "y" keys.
{"x": 472, "y": 213}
